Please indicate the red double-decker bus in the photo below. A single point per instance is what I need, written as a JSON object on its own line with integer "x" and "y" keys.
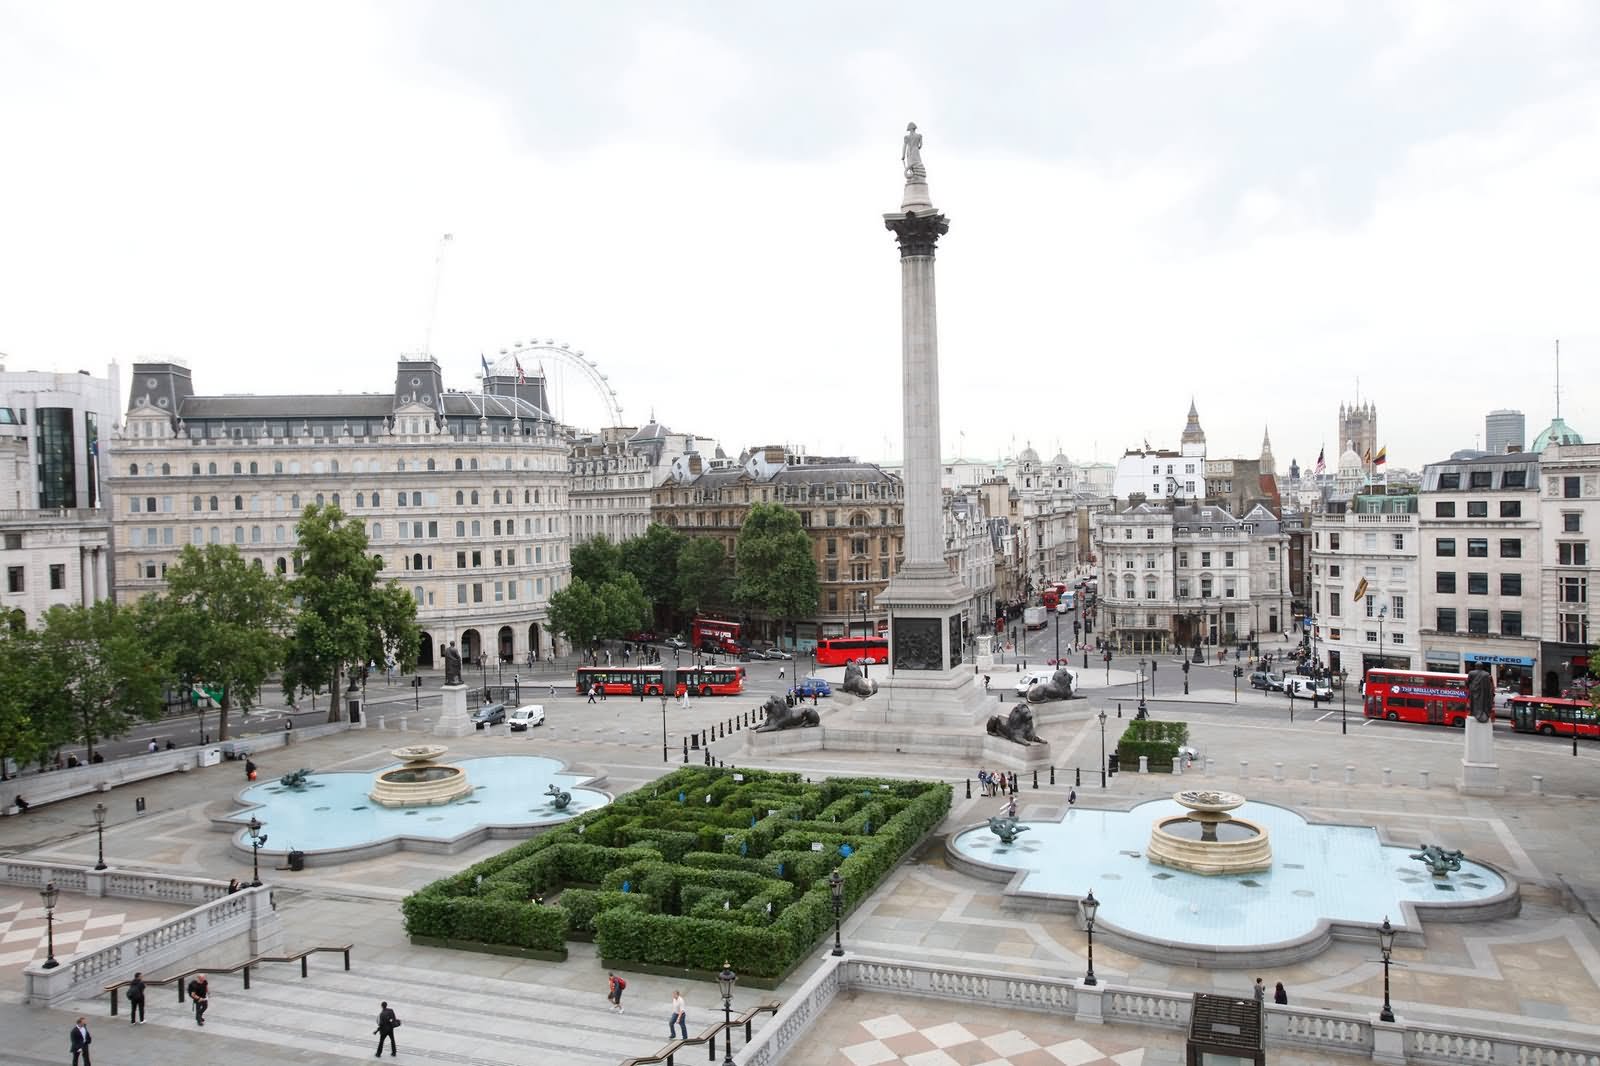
{"x": 715, "y": 635}
{"x": 632, "y": 680}
{"x": 1417, "y": 696}
{"x": 1552, "y": 716}
{"x": 840, "y": 651}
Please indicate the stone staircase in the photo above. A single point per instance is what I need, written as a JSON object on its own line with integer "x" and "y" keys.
{"x": 447, "y": 1017}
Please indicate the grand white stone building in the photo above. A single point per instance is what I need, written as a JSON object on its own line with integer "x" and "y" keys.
{"x": 1569, "y": 515}
{"x": 1366, "y": 583}
{"x": 463, "y": 494}
{"x": 615, "y": 472}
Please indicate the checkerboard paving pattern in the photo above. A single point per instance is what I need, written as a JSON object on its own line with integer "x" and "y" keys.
{"x": 81, "y": 925}
{"x": 892, "y": 1039}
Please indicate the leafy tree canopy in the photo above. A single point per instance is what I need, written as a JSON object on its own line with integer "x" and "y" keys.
{"x": 703, "y": 577}
{"x": 777, "y": 573}
{"x": 99, "y": 671}
{"x": 596, "y": 560}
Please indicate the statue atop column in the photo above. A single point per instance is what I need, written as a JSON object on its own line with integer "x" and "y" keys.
{"x": 911, "y": 154}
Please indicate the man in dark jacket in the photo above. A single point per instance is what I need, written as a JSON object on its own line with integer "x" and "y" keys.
{"x": 136, "y": 999}
{"x": 80, "y": 1042}
{"x": 385, "y": 1030}
{"x": 199, "y": 994}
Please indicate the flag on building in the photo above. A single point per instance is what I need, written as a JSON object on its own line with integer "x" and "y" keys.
{"x": 1361, "y": 590}
{"x": 522, "y": 378}
{"x": 1322, "y": 466}
{"x": 485, "y": 363}
{"x": 1382, "y": 456}
{"x": 1366, "y": 456}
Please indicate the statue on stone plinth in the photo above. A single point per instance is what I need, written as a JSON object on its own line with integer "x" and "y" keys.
{"x": 1059, "y": 687}
{"x": 559, "y": 797}
{"x": 1016, "y": 727}
{"x": 1439, "y": 861}
{"x": 1006, "y": 828}
{"x": 1480, "y": 693}
{"x": 857, "y": 683}
{"x": 780, "y": 716}
{"x": 911, "y": 154}
{"x": 296, "y": 779}
{"x": 452, "y": 665}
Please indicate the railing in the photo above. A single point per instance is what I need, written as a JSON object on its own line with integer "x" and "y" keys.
{"x": 180, "y": 979}
{"x": 708, "y": 1037}
{"x": 112, "y": 882}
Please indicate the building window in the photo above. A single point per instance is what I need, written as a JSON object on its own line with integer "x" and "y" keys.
{"x": 1397, "y": 608}
{"x": 1150, "y": 533}
{"x": 1482, "y": 479}
{"x": 1445, "y": 547}
{"x": 1444, "y": 509}
{"x": 1451, "y": 480}
{"x": 14, "y": 579}
{"x": 1272, "y": 553}
{"x": 1511, "y": 623}
{"x": 1372, "y": 636}
{"x": 1510, "y": 584}
{"x": 1510, "y": 508}
{"x": 1333, "y": 602}
{"x": 1573, "y": 553}
{"x": 1477, "y": 584}
{"x": 1446, "y": 622}
{"x": 58, "y": 576}
{"x": 1399, "y": 542}
{"x": 1227, "y": 558}
{"x": 1573, "y": 589}
{"x": 1478, "y": 622}
{"x": 1477, "y": 547}
{"x": 1569, "y": 488}
{"x": 1510, "y": 547}
{"x": 1574, "y": 628}
{"x": 1477, "y": 508}
{"x": 1333, "y": 542}
{"x": 1571, "y": 522}
{"x": 1444, "y": 581}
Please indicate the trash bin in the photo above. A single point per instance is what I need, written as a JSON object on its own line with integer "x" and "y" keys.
{"x": 355, "y": 712}
{"x": 297, "y": 860}
{"x": 211, "y": 757}
{"x": 1111, "y": 763}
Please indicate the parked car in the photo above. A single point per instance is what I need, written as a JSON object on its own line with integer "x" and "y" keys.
{"x": 676, "y": 642}
{"x": 758, "y": 653}
{"x": 812, "y": 686}
{"x": 530, "y": 715}
{"x": 1040, "y": 677}
{"x": 776, "y": 654}
{"x": 1266, "y": 681}
{"x": 488, "y": 714}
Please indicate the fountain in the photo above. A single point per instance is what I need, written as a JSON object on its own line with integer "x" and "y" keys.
{"x": 422, "y": 781}
{"x": 1208, "y": 840}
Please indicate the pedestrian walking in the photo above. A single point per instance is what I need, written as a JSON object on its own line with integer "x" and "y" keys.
{"x": 780, "y": 673}
{"x": 249, "y": 770}
{"x": 1011, "y": 807}
{"x": 1261, "y": 991}
{"x": 81, "y": 1039}
{"x": 680, "y": 1016}
{"x": 136, "y": 999}
{"x": 593, "y": 688}
{"x": 387, "y": 1024}
{"x": 616, "y": 986}
{"x": 200, "y": 996}
{"x": 1280, "y": 995}
{"x": 1072, "y": 797}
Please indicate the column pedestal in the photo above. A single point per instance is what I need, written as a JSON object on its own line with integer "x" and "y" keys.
{"x": 1480, "y": 774}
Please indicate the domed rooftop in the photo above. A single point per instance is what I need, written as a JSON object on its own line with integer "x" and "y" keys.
{"x": 1028, "y": 455}
{"x": 1557, "y": 432}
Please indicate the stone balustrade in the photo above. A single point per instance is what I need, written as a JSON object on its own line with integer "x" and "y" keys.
{"x": 1290, "y": 1028}
{"x": 114, "y": 882}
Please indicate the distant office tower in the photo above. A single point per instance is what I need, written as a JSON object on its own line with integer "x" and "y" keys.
{"x": 1504, "y": 431}
{"x": 1358, "y": 429}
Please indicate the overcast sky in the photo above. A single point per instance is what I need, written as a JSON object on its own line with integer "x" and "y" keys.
{"x": 1255, "y": 205}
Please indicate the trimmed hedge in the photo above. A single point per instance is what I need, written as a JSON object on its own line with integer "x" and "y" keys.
{"x": 1158, "y": 741}
{"x": 662, "y": 877}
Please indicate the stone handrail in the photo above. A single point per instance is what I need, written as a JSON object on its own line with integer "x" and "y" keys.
{"x": 1296, "y": 1028}
{"x": 249, "y": 912}
{"x": 113, "y": 882}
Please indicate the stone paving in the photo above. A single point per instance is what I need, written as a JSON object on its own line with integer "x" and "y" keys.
{"x": 1539, "y": 972}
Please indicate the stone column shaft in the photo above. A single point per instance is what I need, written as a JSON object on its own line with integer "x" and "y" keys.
{"x": 919, "y": 344}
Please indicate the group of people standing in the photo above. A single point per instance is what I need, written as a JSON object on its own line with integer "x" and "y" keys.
{"x": 997, "y": 782}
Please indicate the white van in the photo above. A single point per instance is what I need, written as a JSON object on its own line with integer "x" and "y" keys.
{"x": 523, "y": 717}
{"x": 1303, "y": 687}
{"x": 1042, "y": 677}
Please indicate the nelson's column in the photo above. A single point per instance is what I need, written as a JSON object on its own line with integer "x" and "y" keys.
{"x": 924, "y": 600}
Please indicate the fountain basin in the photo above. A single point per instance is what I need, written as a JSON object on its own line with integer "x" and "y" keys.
{"x": 421, "y": 781}
{"x": 1208, "y": 840}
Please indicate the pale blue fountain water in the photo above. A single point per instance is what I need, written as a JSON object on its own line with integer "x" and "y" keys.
{"x": 334, "y": 811}
{"x": 1336, "y": 872}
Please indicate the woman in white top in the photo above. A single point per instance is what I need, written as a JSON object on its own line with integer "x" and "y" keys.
{"x": 679, "y": 1017}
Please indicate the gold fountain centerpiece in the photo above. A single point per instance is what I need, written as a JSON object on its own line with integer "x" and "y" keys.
{"x": 1209, "y": 840}
{"x": 422, "y": 781}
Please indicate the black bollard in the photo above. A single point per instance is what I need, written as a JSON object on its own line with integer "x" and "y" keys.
{"x": 969, "y": 788}
{"x": 1052, "y": 775}
{"x": 1079, "y": 778}
{"x": 1036, "y": 779}
{"x": 1119, "y": 710}
{"x": 685, "y": 749}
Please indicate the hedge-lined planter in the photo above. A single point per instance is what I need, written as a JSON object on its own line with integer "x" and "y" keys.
{"x": 559, "y": 955}
{"x": 701, "y": 867}
{"x": 1157, "y": 741}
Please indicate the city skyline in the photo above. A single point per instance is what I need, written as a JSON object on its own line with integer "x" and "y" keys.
{"x": 1236, "y": 211}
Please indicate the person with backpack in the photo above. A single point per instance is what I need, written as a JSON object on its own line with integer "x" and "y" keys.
{"x": 617, "y": 987}
{"x": 136, "y": 999}
{"x": 387, "y": 1024}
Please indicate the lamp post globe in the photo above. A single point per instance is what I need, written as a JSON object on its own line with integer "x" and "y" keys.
{"x": 257, "y": 840}
{"x": 1386, "y": 945}
{"x": 49, "y": 893}
{"x": 1090, "y": 907}
{"x": 725, "y": 981}
{"x": 100, "y": 836}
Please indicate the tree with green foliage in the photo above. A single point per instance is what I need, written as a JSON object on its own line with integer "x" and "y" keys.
{"x": 653, "y": 559}
{"x": 596, "y": 560}
{"x": 347, "y": 615}
{"x": 25, "y": 735}
{"x": 703, "y": 576}
{"x": 578, "y": 613}
{"x": 99, "y": 671}
{"x": 777, "y": 573}
{"x": 225, "y": 621}
{"x": 626, "y": 608}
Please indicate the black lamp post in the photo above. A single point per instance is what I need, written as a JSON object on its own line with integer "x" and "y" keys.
{"x": 725, "y": 981}
{"x": 1344, "y": 682}
{"x": 49, "y": 893}
{"x": 100, "y": 836}
{"x": 1143, "y": 711}
{"x": 1383, "y": 613}
{"x": 1102, "y": 747}
{"x": 836, "y": 890}
{"x": 1090, "y": 906}
{"x": 1386, "y": 945}
{"x": 866, "y": 630}
{"x": 257, "y": 840}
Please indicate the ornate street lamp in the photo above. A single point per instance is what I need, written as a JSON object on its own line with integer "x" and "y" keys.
{"x": 1103, "y": 764}
{"x": 49, "y": 893}
{"x": 1386, "y": 945}
{"x": 257, "y": 840}
{"x": 836, "y": 890}
{"x": 1144, "y": 712}
{"x": 1090, "y": 907}
{"x": 725, "y": 981}
{"x": 100, "y": 836}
